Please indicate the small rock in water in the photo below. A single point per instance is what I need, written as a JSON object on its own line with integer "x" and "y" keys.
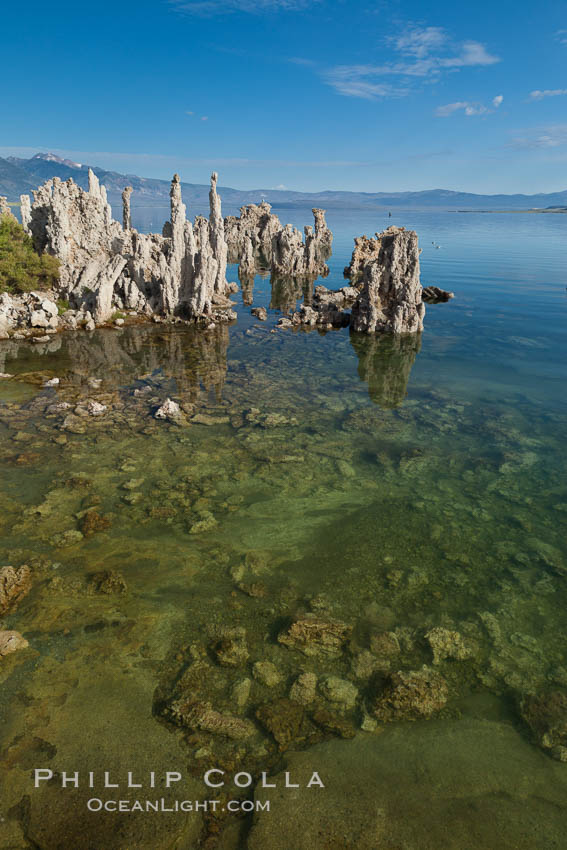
{"x": 266, "y": 673}
{"x": 314, "y": 636}
{"x": 546, "y": 716}
{"x": 14, "y": 585}
{"x": 107, "y": 582}
{"x": 304, "y": 688}
{"x": 94, "y": 383}
{"x": 434, "y": 294}
{"x": 119, "y": 322}
{"x": 339, "y": 691}
{"x": 10, "y": 642}
{"x": 93, "y": 522}
{"x": 446, "y": 644}
{"x": 168, "y": 410}
{"x": 53, "y": 382}
{"x": 5, "y": 375}
{"x": 231, "y": 650}
{"x": 241, "y": 693}
{"x": 412, "y": 695}
{"x": 94, "y": 408}
{"x": 200, "y": 715}
{"x": 284, "y": 719}
{"x": 260, "y": 312}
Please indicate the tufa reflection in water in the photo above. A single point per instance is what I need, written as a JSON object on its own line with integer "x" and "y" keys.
{"x": 385, "y": 362}
{"x": 191, "y": 360}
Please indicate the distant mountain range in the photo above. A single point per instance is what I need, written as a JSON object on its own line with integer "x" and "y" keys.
{"x": 18, "y": 176}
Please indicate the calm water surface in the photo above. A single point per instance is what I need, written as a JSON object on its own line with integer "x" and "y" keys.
{"x": 393, "y": 485}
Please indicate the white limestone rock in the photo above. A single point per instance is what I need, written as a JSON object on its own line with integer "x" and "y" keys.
{"x": 168, "y": 410}
{"x": 390, "y": 298}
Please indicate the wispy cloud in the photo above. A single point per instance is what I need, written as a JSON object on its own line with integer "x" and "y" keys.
{"x": 419, "y": 42}
{"x": 468, "y": 107}
{"x": 211, "y": 8}
{"x": 553, "y": 136}
{"x": 201, "y": 117}
{"x": 298, "y": 60}
{"x": 360, "y": 81}
{"x": 539, "y": 95}
{"x": 561, "y": 36}
{"x": 423, "y": 52}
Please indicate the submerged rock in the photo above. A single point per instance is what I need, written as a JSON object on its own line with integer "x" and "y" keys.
{"x": 340, "y": 691}
{"x": 168, "y": 410}
{"x": 14, "y": 585}
{"x": 332, "y": 724}
{"x": 231, "y": 649}
{"x": 241, "y": 693}
{"x": 107, "y": 582}
{"x": 546, "y": 716}
{"x": 446, "y": 644}
{"x": 11, "y": 641}
{"x": 315, "y": 636}
{"x": 304, "y": 689}
{"x": 411, "y": 695}
{"x": 93, "y": 523}
{"x": 266, "y": 673}
{"x": 283, "y": 718}
{"x": 200, "y": 715}
{"x": 260, "y": 312}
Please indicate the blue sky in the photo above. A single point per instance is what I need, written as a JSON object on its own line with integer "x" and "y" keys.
{"x": 306, "y": 94}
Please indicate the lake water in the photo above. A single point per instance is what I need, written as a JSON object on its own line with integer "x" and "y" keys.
{"x": 387, "y": 487}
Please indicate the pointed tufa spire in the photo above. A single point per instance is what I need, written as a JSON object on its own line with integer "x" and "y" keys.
{"x": 25, "y": 211}
{"x": 94, "y": 185}
{"x": 177, "y": 214}
{"x": 126, "y": 214}
{"x": 216, "y": 231}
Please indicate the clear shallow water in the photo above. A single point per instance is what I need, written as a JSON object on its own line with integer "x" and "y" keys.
{"x": 392, "y": 485}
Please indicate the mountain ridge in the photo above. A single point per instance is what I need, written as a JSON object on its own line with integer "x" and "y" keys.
{"x": 19, "y": 176}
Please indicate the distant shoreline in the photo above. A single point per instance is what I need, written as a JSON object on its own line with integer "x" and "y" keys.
{"x": 552, "y": 210}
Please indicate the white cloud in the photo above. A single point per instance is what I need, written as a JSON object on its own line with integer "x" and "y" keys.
{"x": 468, "y": 108}
{"x": 210, "y": 8}
{"x": 204, "y": 118}
{"x": 561, "y": 36}
{"x": 187, "y": 112}
{"x": 539, "y": 95}
{"x": 424, "y": 52}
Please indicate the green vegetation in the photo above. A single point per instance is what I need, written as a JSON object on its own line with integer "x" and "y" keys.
{"x": 21, "y": 268}
{"x": 62, "y": 306}
{"x": 117, "y": 315}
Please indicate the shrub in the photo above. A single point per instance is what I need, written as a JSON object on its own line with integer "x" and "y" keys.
{"x": 21, "y": 267}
